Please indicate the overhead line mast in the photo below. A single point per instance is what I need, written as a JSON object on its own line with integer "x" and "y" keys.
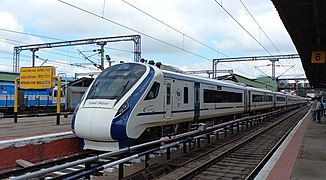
{"x": 99, "y": 41}
{"x": 272, "y": 58}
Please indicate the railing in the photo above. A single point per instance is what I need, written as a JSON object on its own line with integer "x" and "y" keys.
{"x": 145, "y": 149}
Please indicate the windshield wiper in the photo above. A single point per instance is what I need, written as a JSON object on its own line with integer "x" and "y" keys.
{"x": 124, "y": 88}
{"x": 121, "y": 90}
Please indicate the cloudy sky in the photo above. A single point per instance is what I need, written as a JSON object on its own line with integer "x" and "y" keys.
{"x": 183, "y": 33}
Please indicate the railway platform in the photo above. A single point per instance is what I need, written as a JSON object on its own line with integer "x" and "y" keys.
{"x": 35, "y": 139}
{"x": 32, "y": 126}
{"x": 302, "y": 155}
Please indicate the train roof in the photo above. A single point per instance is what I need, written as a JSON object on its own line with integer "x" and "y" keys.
{"x": 199, "y": 79}
{"x": 7, "y": 83}
{"x": 8, "y": 76}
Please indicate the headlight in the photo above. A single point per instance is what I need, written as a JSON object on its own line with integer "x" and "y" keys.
{"x": 123, "y": 107}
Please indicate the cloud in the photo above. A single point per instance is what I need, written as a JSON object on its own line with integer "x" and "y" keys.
{"x": 8, "y": 22}
{"x": 205, "y": 21}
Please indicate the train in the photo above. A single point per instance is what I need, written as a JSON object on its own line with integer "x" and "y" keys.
{"x": 41, "y": 100}
{"x": 132, "y": 102}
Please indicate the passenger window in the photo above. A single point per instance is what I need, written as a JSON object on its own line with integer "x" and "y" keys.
{"x": 185, "y": 95}
{"x": 168, "y": 94}
{"x": 55, "y": 93}
{"x": 153, "y": 92}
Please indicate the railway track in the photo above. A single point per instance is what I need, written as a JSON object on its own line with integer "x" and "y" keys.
{"x": 241, "y": 161}
{"x": 183, "y": 164}
{"x": 95, "y": 162}
{"x": 12, "y": 173}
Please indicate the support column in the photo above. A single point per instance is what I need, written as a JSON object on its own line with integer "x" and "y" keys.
{"x": 102, "y": 44}
{"x": 33, "y": 56}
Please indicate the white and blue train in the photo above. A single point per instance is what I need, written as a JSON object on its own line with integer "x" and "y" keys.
{"x": 133, "y": 101}
{"x": 28, "y": 99}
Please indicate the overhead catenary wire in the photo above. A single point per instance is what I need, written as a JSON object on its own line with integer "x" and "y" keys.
{"x": 134, "y": 30}
{"x": 260, "y": 28}
{"x": 51, "y": 61}
{"x": 139, "y": 32}
{"x": 48, "y": 50}
{"x": 16, "y": 42}
{"x": 102, "y": 14}
{"x": 29, "y": 34}
{"x": 243, "y": 27}
{"x": 46, "y": 37}
{"x": 52, "y": 38}
{"x": 220, "y": 4}
{"x": 184, "y": 34}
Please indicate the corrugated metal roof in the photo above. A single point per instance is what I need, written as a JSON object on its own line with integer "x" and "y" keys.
{"x": 8, "y": 77}
{"x": 262, "y": 83}
{"x": 305, "y": 22}
{"x": 269, "y": 81}
{"x": 252, "y": 83}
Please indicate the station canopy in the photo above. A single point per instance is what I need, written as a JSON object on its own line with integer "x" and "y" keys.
{"x": 305, "y": 22}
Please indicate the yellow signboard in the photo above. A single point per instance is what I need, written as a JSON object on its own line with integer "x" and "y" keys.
{"x": 37, "y": 77}
{"x": 318, "y": 57}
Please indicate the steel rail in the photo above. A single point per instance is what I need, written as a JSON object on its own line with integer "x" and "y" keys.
{"x": 207, "y": 164}
{"x": 270, "y": 153}
{"x": 149, "y": 147}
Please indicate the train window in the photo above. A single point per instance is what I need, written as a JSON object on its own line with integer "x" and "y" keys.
{"x": 257, "y": 98}
{"x": 261, "y": 98}
{"x": 280, "y": 98}
{"x": 212, "y": 96}
{"x": 55, "y": 93}
{"x": 185, "y": 95}
{"x": 168, "y": 93}
{"x": 268, "y": 98}
{"x": 153, "y": 92}
{"x": 115, "y": 81}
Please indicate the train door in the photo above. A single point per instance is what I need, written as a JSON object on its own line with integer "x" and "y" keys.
{"x": 197, "y": 101}
{"x": 248, "y": 100}
{"x": 274, "y": 100}
{"x": 168, "y": 99}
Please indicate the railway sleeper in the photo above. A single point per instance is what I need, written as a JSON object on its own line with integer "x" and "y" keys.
{"x": 250, "y": 153}
{"x": 230, "y": 163}
{"x": 246, "y": 156}
{"x": 229, "y": 172}
{"x": 225, "y": 167}
{"x": 216, "y": 175}
{"x": 235, "y": 161}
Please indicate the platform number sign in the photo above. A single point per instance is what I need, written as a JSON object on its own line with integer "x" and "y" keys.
{"x": 318, "y": 57}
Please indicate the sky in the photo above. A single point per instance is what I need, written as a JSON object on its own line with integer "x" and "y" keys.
{"x": 187, "y": 34}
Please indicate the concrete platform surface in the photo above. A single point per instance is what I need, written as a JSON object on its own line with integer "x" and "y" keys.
{"x": 35, "y": 139}
{"x": 302, "y": 156}
{"x": 311, "y": 160}
{"x": 30, "y": 126}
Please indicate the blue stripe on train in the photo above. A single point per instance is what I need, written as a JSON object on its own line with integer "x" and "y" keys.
{"x": 119, "y": 124}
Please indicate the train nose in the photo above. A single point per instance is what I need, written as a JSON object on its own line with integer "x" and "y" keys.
{"x": 94, "y": 123}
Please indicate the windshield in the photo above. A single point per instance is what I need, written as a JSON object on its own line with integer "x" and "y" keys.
{"x": 115, "y": 81}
